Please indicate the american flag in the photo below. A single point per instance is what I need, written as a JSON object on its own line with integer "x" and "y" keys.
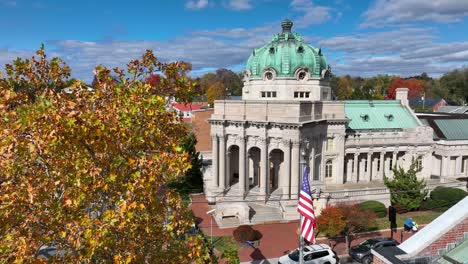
{"x": 306, "y": 209}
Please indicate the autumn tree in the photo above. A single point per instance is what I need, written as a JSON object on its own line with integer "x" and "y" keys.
{"x": 415, "y": 87}
{"x": 331, "y": 221}
{"x": 215, "y": 91}
{"x": 345, "y": 88}
{"x": 345, "y": 219}
{"x": 87, "y": 170}
{"x": 406, "y": 191}
{"x": 220, "y": 84}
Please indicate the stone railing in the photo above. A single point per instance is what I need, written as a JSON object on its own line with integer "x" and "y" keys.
{"x": 277, "y": 111}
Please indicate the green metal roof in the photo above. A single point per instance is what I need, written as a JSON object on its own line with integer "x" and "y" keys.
{"x": 457, "y": 255}
{"x": 453, "y": 129}
{"x": 286, "y": 53}
{"x": 378, "y": 115}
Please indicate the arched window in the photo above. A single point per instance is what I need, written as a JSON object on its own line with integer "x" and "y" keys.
{"x": 329, "y": 169}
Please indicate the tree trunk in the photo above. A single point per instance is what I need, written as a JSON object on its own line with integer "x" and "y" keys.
{"x": 347, "y": 243}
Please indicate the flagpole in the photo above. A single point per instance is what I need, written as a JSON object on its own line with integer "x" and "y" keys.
{"x": 303, "y": 167}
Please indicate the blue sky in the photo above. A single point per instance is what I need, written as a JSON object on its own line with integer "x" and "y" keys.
{"x": 359, "y": 37}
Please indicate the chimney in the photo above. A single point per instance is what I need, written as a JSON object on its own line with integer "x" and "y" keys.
{"x": 402, "y": 95}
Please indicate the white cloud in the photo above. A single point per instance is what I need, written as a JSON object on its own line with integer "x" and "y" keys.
{"x": 391, "y": 12}
{"x": 408, "y": 51}
{"x": 239, "y": 4}
{"x": 196, "y": 4}
{"x": 311, "y": 13}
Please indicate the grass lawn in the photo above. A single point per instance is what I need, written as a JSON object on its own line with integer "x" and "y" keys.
{"x": 421, "y": 218}
{"x": 222, "y": 243}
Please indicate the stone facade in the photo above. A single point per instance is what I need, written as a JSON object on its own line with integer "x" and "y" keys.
{"x": 287, "y": 120}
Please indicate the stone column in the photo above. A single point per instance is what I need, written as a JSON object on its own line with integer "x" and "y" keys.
{"x": 214, "y": 166}
{"x": 295, "y": 169}
{"x": 355, "y": 167}
{"x": 312, "y": 175}
{"x": 444, "y": 166}
{"x": 382, "y": 165}
{"x": 458, "y": 165}
{"x": 369, "y": 167}
{"x": 228, "y": 168}
{"x": 242, "y": 179}
{"x": 264, "y": 165}
{"x": 349, "y": 169}
{"x": 340, "y": 161}
{"x": 361, "y": 170}
{"x": 322, "y": 158}
{"x": 394, "y": 158}
{"x": 222, "y": 162}
{"x": 287, "y": 170}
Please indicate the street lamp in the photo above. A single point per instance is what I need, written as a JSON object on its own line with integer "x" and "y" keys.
{"x": 211, "y": 212}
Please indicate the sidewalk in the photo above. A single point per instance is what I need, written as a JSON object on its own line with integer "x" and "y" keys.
{"x": 278, "y": 238}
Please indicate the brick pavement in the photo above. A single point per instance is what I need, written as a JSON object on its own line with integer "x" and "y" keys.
{"x": 277, "y": 238}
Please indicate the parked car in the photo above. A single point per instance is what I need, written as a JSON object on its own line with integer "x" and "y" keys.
{"x": 313, "y": 254}
{"x": 362, "y": 252}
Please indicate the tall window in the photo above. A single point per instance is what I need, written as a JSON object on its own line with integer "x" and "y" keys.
{"x": 330, "y": 144}
{"x": 329, "y": 169}
{"x": 419, "y": 163}
{"x": 390, "y": 164}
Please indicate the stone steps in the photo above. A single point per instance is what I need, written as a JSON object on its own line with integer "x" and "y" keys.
{"x": 264, "y": 214}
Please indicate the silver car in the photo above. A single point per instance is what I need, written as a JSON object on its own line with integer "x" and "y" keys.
{"x": 313, "y": 254}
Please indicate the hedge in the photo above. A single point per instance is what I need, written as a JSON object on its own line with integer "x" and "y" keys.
{"x": 442, "y": 198}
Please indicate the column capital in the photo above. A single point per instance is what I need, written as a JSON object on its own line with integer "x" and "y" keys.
{"x": 214, "y": 137}
{"x": 286, "y": 142}
{"x": 296, "y": 143}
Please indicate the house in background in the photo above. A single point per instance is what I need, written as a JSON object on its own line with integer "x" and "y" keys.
{"x": 453, "y": 109}
{"x": 185, "y": 111}
{"x": 427, "y": 103}
{"x": 444, "y": 241}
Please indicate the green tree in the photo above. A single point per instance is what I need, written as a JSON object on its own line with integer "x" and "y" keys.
{"x": 88, "y": 170}
{"x": 193, "y": 180}
{"x": 406, "y": 191}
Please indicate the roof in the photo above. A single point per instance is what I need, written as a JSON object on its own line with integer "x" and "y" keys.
{"x": 286, "y": 53}
{"x": 202, "y": 129}
{"x": 428, "y": 102}
{"x": 378, "y": 115}
{"x": 441, "y": 225}
{"x": 454, "y": 109}
{"x": 447, "y": 126}
{"x": 457, "y": 255}
{"x": 187, "y": 107}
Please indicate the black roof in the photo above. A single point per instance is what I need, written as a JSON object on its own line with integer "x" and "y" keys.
{"x": 428, "y": 102}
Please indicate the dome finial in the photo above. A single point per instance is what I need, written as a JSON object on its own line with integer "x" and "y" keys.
{"x": 286, "y": 25}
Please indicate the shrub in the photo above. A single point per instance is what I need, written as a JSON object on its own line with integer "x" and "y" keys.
{"x": 448, "y": 194}
{"x": 435, "y": 205}
{"x": 374, "y": 206}
{"x": 246, "y": 233}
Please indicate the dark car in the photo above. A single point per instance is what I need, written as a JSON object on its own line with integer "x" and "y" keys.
{"x": 362, "y": 252}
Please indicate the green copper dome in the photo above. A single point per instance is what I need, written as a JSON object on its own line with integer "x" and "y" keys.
{"x": 286, "y": 54}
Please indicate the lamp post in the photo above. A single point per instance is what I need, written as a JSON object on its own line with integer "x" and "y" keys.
{"x": 211, "y": 212}
{"x": 304, "y": 153}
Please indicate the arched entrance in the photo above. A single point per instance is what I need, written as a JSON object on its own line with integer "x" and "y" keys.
{"x": 276, "y": 161}
{"x": 253, "y": 171}
{"x": 233, "y": 161}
